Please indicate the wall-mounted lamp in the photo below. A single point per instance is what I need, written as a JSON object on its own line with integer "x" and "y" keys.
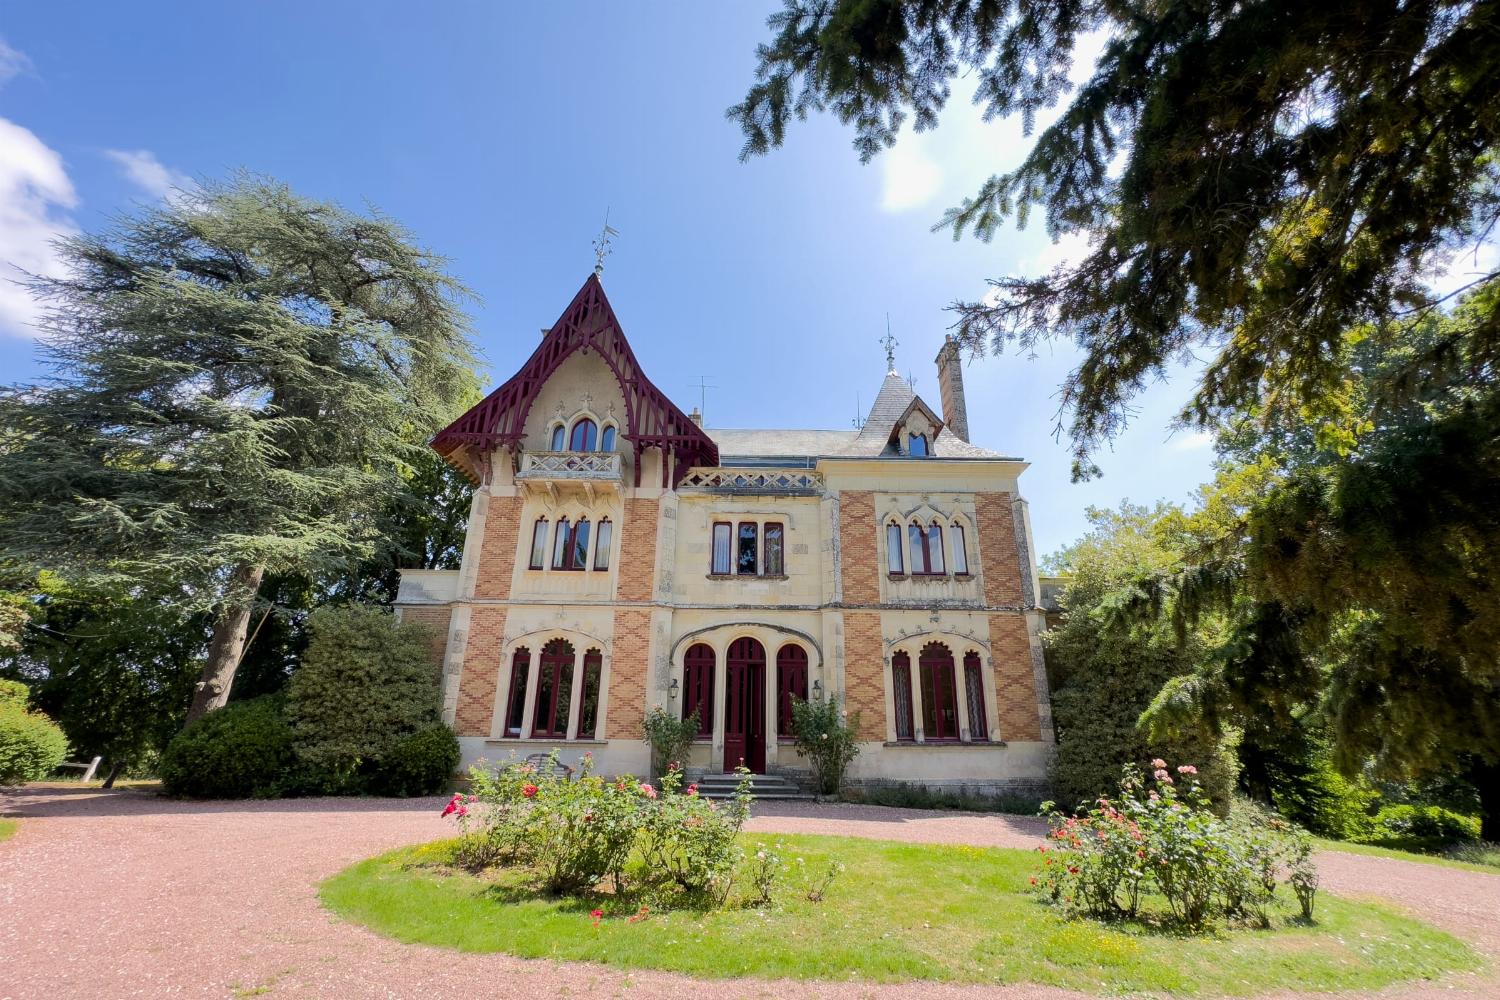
{"x": 672, "y": 691}
{"x": 818, "y": 689}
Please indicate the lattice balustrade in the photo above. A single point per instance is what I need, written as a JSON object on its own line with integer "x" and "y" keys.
{"x": 753, "y": 481}
{"x": 570, "y": 465}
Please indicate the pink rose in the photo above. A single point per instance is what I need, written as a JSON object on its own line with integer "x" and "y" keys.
{"x": 1187, "y": 769}
{"x": 1163, "y": 776}
{"x": 648, "y": 791}
{"x": 1158, "y": 763}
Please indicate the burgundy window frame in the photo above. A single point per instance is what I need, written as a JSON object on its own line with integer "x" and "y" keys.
{"x": 791, "y": 682}
{"x": 538, "y": 532}
{"x": 590, "y": 435}
{"x": 939, "y": 686}
{"x": 713, "y": 567}
{"x": 894, "y": 560}
{"x": 555, "y": 679}
{"x": 515, "y": 701}
{"x": 607, "y": 438}
{"x": 562, "y": 541}
{"x": 559, "y": 437}
{"x": 588, "y": 704}
{"x": 921, "y": 538}
{"x": 604, "y": 539}
{"x": 979, "y": 726}
{"x": 698, "y": 686}
{"x": 935, "y": 556}
{"x": 902, "y": 697}
{"x": 765, "y": 548}
{"x": 739, "y": 548}
{"x": 960, "y": 550}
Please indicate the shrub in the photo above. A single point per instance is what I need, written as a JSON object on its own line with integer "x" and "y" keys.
{"x": 243, "y": 750}
{"x": 825, "y": 736}
{"x": 365, "y": 683}
{"x": 669, "y": 737}
{"x": 13, "y": 694}
{"x": 1157, "y": 837}
{"x": 1424, "y": 826}
{"x": 917, "y": 797}
{"x": 31, "y": 744}
{"x": 688, "y": 844}
{"x": 420, "y": 764}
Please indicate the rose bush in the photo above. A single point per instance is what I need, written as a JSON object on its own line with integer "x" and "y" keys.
{"x": 1160, "y": 835}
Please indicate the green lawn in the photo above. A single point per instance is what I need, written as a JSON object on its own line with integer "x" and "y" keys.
{"x": 7, "y": 828}
{"x": 901, "y": 912}
{"x": 1490, "y": 864}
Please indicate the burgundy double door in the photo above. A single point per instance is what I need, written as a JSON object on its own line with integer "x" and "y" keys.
{"x": 745, "y": 706}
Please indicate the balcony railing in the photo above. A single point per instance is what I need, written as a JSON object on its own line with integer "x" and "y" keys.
{"x": 582, "y": 466}
{"x": 754, "y": 481}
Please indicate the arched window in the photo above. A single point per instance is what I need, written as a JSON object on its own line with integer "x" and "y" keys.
{"x": 774, "y": 561}
{"x": 560, "y": 543}
{"x": 939, "y": 696}
{"x": 791, "y": 682}
{"x": 901, "y": 695}
{"x": 588, "y": 705}
{"x": 584, "y": 436}
{"x": 935, "y": 547}
{"x": 558, "y": 433}
{"x": 926, "y": 548}
{"x": 554, "y": 691}
{"x": 602, "y": 544}
{"x": 538, "y": 544}
{"x": 607, "y": 440}
{"x": 578, "y": 549}
{"x": 917, "y": 446}
{"x": 893, "y": 559}
{"x": 960, "y": 551}
{"x": 698, "y": 687}
{"x": 515, "y": 702}
{"x": 979, "y": 727}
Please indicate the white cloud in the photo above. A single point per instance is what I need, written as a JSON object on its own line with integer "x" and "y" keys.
{"x": 912, "y": 176}
{"x": 13, "y": 62}
{"x": 1464, "y": 267}
{"x": 35, "y": 194}
{"x": 146, "y": 172}
{"x": 1193, "y": 441}
{"x": 1069, "y": 249}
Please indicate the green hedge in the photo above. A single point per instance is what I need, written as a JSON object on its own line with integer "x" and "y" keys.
{"x": 1424, "y": 827}
{"x": 31, "y": 744}
{"x": 243, "y": 750}
{"x": 421, "y": 764}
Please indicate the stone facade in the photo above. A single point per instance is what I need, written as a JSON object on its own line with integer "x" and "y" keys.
{"x": 621, "y": 557}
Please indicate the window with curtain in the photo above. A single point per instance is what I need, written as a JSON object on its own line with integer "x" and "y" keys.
{"x": 560, "y": 543}
{"x": 745, "y": 559}
{"x": 979, "y": 727}
{"x": 939, "y": 695}
{"x": 935, "y": 548}
{"x": 588, "y": 704}
{"x": 775, "y": 560}
{"x": 558, "y": 433}
{"x": 926, "y": 548}
{"x": 721, "y": 564}
{"x": 578, "y": 548}
{"x": 554, "y": 691}
{"x": 515, "y": 702}
{"x": 893, "y": 549}
{"x": 607, "y": 440}
{"x": 585, "y": 435}
{"x": 960, "y": 550}
{"x": 602, "y": 544}
{"x": 698, "y": 687}
{"x": 917, "y": 447}
{"x": 538, "y": 544}
{"x": 901, "y": 695}
{"x": 791, "y": 682}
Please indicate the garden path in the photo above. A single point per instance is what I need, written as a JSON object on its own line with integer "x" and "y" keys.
{"x": 124, "y": 894}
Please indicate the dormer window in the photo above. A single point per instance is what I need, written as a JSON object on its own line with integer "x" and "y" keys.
{"x": 559, "y": 437}
{"x": 917, "y": 446}
{"x": 607, "y": 441}
{"x": 585, "y": 435}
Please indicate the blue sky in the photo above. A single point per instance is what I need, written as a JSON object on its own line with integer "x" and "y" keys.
{"x": 499, "y": 134}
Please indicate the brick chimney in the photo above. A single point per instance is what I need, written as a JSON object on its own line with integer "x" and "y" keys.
{"x": 696, "y": 417}
{"x": 951, "y": 385}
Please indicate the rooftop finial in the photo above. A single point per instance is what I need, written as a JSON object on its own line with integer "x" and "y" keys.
{"x": 601, "y": 244}
{"x": 891, "y": 343}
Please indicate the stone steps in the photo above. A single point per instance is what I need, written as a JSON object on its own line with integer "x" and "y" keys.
{"x": 762, "y": 786}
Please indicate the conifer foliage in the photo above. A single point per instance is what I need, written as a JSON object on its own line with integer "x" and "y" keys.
{"x": 241, "y": 377}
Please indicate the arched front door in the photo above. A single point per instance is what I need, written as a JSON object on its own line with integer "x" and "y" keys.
{"x": 745, "y": 706}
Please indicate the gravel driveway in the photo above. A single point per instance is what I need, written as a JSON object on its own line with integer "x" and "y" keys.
{"x": 123, "y": 894}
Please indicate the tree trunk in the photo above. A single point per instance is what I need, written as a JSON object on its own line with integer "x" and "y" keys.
{"x": 114, "y": 769}
{"x": 1486, "y": 778}
{"x": 228, "y": 643}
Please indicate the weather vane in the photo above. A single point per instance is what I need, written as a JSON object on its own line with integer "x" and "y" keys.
{"x": 891, "y": 343}
{"x": 601, "y": 244}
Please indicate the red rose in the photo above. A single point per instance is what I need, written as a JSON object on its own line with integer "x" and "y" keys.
{"x": 529, "y": 791}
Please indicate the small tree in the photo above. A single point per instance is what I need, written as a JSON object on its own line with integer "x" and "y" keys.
{"x": 365, "y": 683}
{"x": 30, "y": 743}
{"x": 670, "y": 738}
{"x": 825, "y": 736}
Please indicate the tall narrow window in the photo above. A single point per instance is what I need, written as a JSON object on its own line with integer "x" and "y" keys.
{"x": 935, "y": 547}
{"x": 515, "y": 703}
{"x": 585, "y": 435}
{"x": 601, "y": 546}
{"x": 893, "y": 549}
{"x": 901, "y": 695}
{"x": 791, "y": 683}
{"x": 578, "y": 548}
{"x": 918, "y": 541}
{"x": 721, "y": 565}
{"x": 939, "y": 696}
{"x": 698, "y": 687}
{"x": 607, "y": 439}
{"x": 960, "y": 550}
{"x": 539, "y": 544}
{"x": 775, "y": 561}
{"x": 588, "y": 705}
{"x": 560, "y": 544}
{"x": 554, "y": 691}
{"x": 979, "y": 727}
{"x": 744, "y": 563}
{"x": 558, "y": 433}
{"x": 918, "y": 446}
